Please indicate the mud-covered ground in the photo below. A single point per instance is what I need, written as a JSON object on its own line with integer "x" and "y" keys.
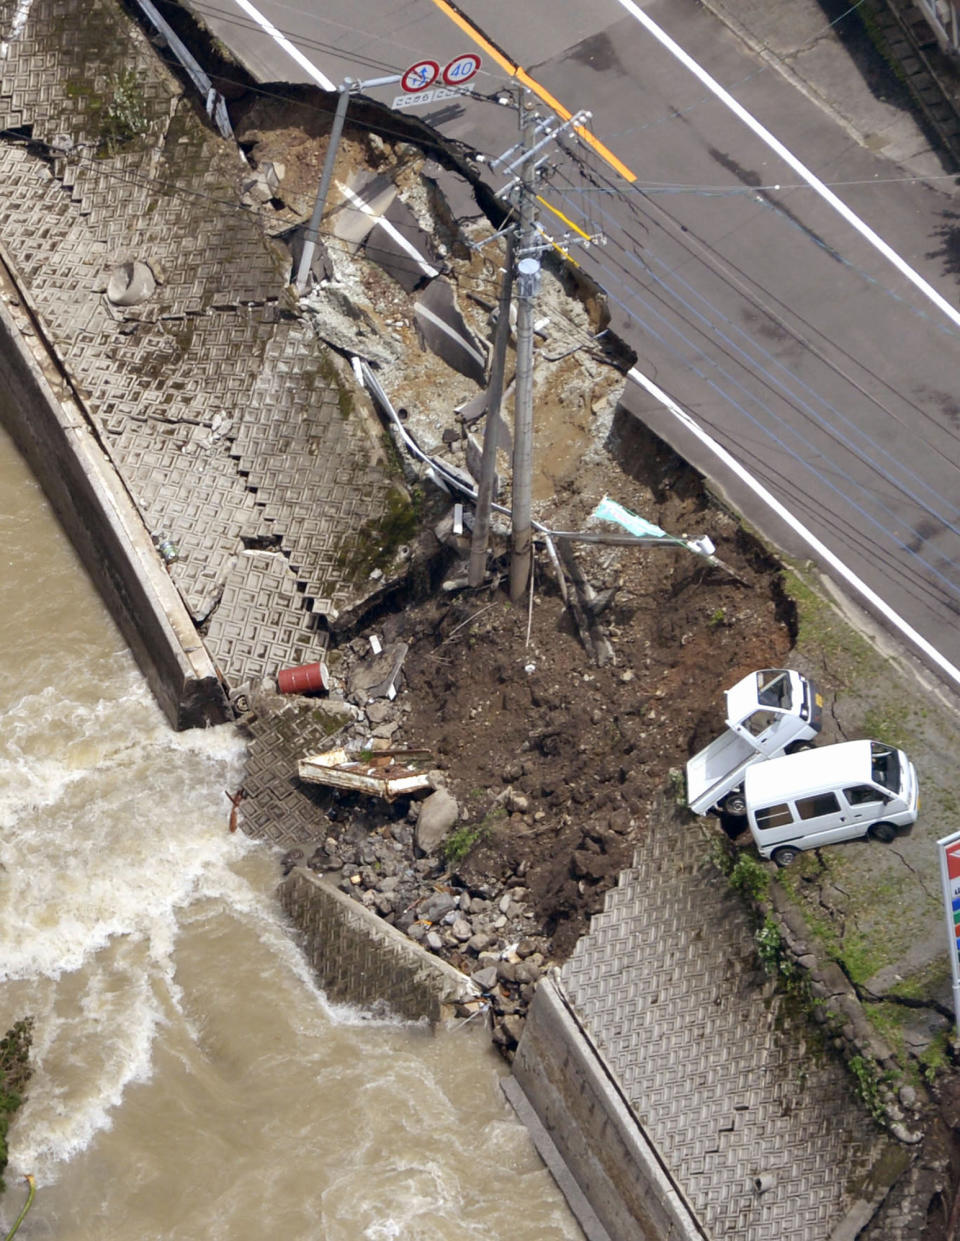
{"x": 582, "y": 749}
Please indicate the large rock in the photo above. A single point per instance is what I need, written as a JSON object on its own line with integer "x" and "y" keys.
{"x": 436, "y": 907}
{"x": 438, "y": 813}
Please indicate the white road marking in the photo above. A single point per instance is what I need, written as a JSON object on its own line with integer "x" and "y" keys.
{"x": 293, "y": 52}
{"x": 389, "y": 229}
{"x": 785, "y": 154}
{"x": 820, "y": 549}
{"x": 420, "y": 309}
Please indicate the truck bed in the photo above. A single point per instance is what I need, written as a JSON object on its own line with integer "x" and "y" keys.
{"x": 716, "y": 769}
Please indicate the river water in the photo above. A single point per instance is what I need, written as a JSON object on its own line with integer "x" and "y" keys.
{"x": 190, "y": 1081}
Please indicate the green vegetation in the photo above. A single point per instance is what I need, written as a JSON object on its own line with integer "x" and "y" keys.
{"x": 31, "y": 1194}
{"x": 460, "y": 842}
{"x": 14, "y": 1075}
{"x": 676, "y": 776}
{"x": 823, "y": 632}
{"x": 125, "y": 116}
{"x": 119, "y": 116}
{"x": 868, "y": 1081}
{"x": 749, "y": 877}
{"x": 375, "y": 544}
{"x": 888, "y": 723}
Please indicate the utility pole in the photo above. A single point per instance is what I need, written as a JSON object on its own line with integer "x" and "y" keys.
{"x": 523, "y": 244}
{"x": 347, "y": 87}
{"x": 528, "y": 281}
{"x": 488, "y": 462}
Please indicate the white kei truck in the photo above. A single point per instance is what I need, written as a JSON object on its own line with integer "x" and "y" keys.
{"x": 836, "y": 792}
{"x": 768, "y": 713}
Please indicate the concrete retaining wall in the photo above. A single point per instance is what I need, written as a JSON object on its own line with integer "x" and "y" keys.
{"x": 360, "y": 959}
{"x": 597, "y": 1136}
{"x": 40, "y": 411}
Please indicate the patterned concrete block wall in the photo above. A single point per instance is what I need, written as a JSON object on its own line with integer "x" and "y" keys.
{"x": 38, "y": 411}
{"x": 605, "y": 1150}
{"x": 360, "y": 959}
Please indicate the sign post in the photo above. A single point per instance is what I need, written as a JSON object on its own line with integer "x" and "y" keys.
{"x": 949, "y": 850}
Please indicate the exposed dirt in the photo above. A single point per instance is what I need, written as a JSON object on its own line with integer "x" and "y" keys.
{"x": 585, "y": 748}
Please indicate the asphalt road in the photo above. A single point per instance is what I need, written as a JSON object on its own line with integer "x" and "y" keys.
{"x": 805, "y": 367}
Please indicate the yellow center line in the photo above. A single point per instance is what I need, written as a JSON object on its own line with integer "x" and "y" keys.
{"x": 524, "y": 78}
{"x": 566, "y": 219}
{"x": 557, "y": 246}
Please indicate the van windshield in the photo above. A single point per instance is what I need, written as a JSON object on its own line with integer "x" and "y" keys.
{"x": 885, "y": 765}
{"x": 773, "y": 688}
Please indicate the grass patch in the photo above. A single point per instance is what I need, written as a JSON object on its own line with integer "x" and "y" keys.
{"x": 824, "y": 634}
{"x": 466, "y": 838}
{"x": 889, "y": 724}
{"x": 375, "y": 544}
{"x": 868, "y": 1081}
{"x": 749, "y": 877}
{"x": 14, "y": 1075}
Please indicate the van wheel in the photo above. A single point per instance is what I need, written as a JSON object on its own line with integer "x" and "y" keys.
{"x": 786, "y": 855}
{"x": 734, "y": 803}
{"x": 886, "y": 833}
{"x": 797, "y": 747}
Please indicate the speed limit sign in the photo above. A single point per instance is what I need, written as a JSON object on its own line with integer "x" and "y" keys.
{"x": 420, "y": 76}
{"x": 461, "y": 70}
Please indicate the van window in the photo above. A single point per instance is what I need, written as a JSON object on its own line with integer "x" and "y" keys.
{"x": 774, "y": 816}
{"x": 862, "y": 794}
{"x": 759, "y": 722}
{"x": 819, "y": 804}
{"x": 885, "y": 765}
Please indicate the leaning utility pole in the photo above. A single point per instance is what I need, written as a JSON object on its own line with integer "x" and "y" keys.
{"x": 491, "y": 427}
{"x": 524, "y": 244}
{"x": 528, "y": 281}
{"x": 312, "y": 232}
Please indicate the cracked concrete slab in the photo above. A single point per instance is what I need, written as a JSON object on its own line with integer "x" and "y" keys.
{"x": 444, "y": 331}
{"x": 182, "y": 386}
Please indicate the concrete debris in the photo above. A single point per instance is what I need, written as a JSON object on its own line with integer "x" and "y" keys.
{"x": 377, "y": 675}
{"x": 443, "y": 331}
{"x": 388, "y": 774}
{"x": 321, "y": 265}
{"x": 130, "y": 284}
{"x": 486, "y": 978}
{"x": 458, "y": 194}
{"x": 348, "y": 325}
{"x": 399, "y": 245}
{"x": 365, "y": 199}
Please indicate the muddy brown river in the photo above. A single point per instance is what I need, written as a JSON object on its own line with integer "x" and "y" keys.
{"x": 191, "y": 1081}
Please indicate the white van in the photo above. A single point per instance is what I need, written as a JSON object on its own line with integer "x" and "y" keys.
{"x": 836, "y": 792}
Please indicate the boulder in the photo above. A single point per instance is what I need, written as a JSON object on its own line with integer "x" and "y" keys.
{"x": 486, "y": 978}
{"x": 436, "y": 907}
{"x": 438, "y": 813}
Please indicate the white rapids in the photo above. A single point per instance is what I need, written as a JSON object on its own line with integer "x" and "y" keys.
{"x": 190, "y": 1081}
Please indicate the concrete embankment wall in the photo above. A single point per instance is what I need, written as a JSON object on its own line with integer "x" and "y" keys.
{"x": 595, "y": 1133}
{"x": 43, "y": 416}
{"x": 360, "y": 959}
